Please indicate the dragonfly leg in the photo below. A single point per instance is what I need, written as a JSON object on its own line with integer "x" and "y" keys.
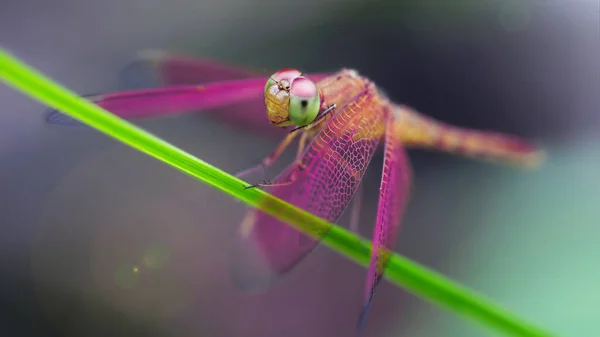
{"x": 300, "y": 165}
{"x": 301, "y": 146}
{"x": 270, "y": 159}
{"x": 268, "y": 183}
{"x": 297, "y": 166}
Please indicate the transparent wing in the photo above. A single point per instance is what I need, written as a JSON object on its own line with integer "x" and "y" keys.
{"x": 393, "y": 196}
{"x": 156, "y": 68}
{"x": 160, "y": 68}
{"x": 335, "y": 163}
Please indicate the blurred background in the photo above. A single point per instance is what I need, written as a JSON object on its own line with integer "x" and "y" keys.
{"x": 99, "y": 240}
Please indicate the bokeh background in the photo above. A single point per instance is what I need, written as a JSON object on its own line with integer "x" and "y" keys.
{"x": 80, "y": 212}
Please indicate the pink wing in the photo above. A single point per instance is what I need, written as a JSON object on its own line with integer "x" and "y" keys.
{"x": 393, "y": 196}
{"x": 165, "y": 68}
{"x": 335, "y": 163}
{"x": 177, "y": 99}
{"x": 238, "y": 95}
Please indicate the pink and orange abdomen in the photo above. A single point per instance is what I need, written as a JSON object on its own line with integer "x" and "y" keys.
{"x": 424, "y": 132}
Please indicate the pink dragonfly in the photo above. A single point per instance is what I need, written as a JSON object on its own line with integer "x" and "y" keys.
{"x": 341, "y": 119}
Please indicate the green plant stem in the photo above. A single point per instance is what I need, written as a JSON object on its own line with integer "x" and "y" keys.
{"x": 401, "y": 271}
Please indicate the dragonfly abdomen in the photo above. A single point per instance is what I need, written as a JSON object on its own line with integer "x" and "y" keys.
{"x": 420, "y": 131}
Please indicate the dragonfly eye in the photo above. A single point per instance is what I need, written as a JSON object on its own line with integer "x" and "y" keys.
{"x": 304, "y": 101}
{"x": 287, "y": 75}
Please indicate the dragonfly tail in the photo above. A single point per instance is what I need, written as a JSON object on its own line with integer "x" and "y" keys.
{"x": 424, "y": 132}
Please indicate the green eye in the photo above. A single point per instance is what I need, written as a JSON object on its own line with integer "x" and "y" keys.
{"x": 304, "y": 101}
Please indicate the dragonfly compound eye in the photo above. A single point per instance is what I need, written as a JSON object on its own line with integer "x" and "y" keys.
{"x": 277, "y": 95}
{"x": 283, "y": 78}
{"x": 304, "y": 101}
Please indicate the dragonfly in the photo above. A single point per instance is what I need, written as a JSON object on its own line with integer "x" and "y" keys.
{"x": 339, "y": 120}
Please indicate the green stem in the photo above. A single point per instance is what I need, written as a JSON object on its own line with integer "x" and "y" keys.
{"x": 401, "y": 271}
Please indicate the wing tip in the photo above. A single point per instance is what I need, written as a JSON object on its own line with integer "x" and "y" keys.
{"x": 247, "y": 271}
{"x": 143, "y": 72}
{"x": 55, "y": 117}
{"x": 155, "y": 55}
{"x": 367, "y": 306}
{"x": 240, "y": 277}
{"x": 362, "y": 318}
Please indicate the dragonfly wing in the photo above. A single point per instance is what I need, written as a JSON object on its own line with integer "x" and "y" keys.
{"x": 162, "y": 68}
{"x": 182, "y": 75}
{"x": 159, "y": 68}
{"x": 393, "y": 196}
{"x": 53, "y": 116}
{"x": 180, "y": 99}
{"x": 166, "y": 68}
{"x": 335, "y": 162}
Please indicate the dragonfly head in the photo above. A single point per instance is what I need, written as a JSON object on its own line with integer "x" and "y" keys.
{"x": 291, "y": 99}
